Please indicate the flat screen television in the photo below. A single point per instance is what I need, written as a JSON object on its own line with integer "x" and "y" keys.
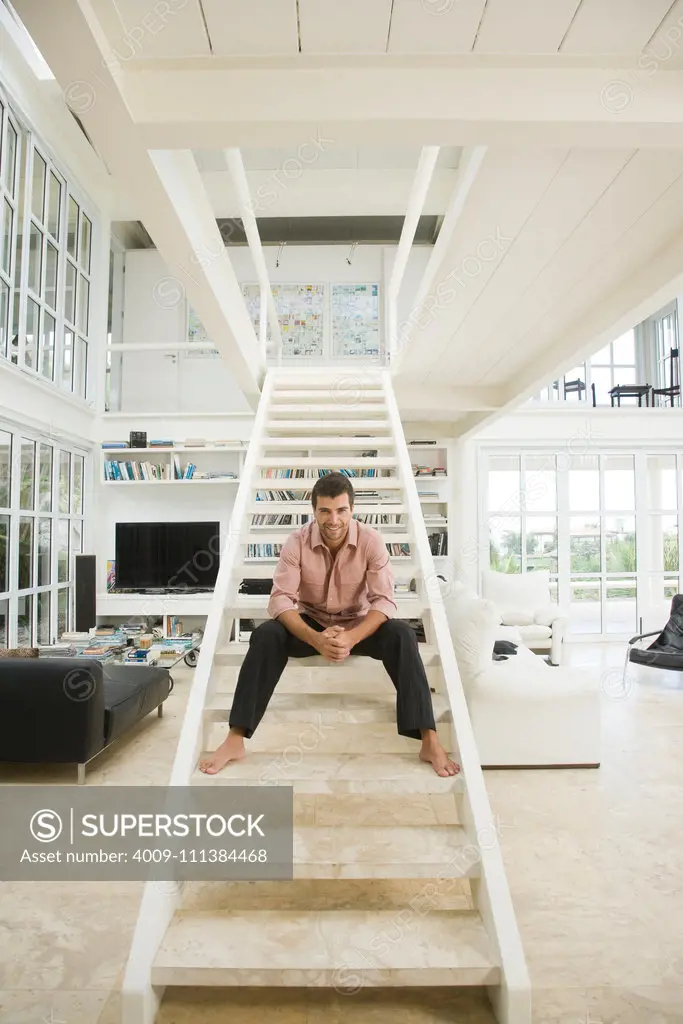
{"x": 173, "y": 556}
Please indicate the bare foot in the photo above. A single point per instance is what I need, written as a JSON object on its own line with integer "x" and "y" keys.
{"x": 432, "y": 752}
{"x": 231, "y": 749}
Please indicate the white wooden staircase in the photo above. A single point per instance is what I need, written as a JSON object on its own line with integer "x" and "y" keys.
{"x": 398, "y": 877}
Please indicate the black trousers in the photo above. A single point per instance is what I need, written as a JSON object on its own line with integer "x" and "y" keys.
{"x": 394, "y": 644}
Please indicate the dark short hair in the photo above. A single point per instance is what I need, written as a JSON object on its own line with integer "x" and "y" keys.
{"x": 332, "y": 485}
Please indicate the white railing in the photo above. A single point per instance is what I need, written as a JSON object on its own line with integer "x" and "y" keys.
{"x": 140, "y": 1001}
{"x": 512, "y": 999}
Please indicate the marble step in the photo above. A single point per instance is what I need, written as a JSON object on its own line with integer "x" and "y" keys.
{"x": 323, "y": 425}
{"x": 408, "y": 606}
{"x": 317, "y": 894}
{"x": 298, "y": 483}
{"x": 325, "y": 395}
{"x": 334, "y": 773}
{"x": 233, "y": 653}
{"x": 325, "y": 462}
{"x": 369, "y": 443}
{"x": 325, "y": 735}
{"x": 287, "y": 508}
{"x": 324, "y": 1006}
{"x": 427, "y": 851}
{"x": 341, "y": 949}
{"x": 339, "y": 679}
{"x": 382, "y": 811}
{"x": 326, "y": 707}
{"x": 349, "y": 410}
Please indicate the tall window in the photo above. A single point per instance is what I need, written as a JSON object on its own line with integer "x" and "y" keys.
{"x": 41, "y": 530}
{"x": 10, "y": 143}
{"x": 605, "y": 524}
{"x": 45, "y": 263}
{"x": 666, "y": 342}
{"x": 614, "y": 364}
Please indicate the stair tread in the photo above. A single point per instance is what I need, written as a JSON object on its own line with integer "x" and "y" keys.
{"x": 333, "y": 733}
{"x": 323, "y": 462}
{"x": 393, "y": 851}
{"x": 264, "y": 537}
{"x": 305, "y": 483}
{"x": 309, "y": 408}
{"x": 335, "y": 773}
{"x": 324, "y": 949}
{"x": 302, "y": 707}
{"x": 231, "y": 653}
{"x": 322, "y": 1006}
{"x": 328, "y": 424}
{"x": 293, "y": 506}
{"x": 328, "y": 442}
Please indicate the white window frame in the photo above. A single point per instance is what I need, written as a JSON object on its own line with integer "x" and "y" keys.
{"x": 13, "y": 595}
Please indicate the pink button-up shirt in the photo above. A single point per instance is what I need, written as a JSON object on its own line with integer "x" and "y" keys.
{"x": 334, "y": 589}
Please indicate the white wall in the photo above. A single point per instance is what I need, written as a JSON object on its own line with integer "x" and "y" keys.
{"x": 155, "y": 312}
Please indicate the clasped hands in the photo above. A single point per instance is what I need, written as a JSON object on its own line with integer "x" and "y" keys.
{"x": 335, "y": 643}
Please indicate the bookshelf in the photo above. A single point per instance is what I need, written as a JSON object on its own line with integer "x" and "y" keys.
{"x": 174, "y": 464}
{"x": 430, "y": 465}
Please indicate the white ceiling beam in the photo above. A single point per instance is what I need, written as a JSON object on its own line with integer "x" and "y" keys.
{"x": 425, "y": 105}
{"x": 418, "y": 195}
{"x": 235, "y": 164}
{"x": 442, "y": 400}
{"x": 177, "y": 213}
{"x": 468, "y": 170}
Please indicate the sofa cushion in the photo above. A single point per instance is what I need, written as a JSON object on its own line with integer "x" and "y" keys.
{"x": 130, "y": 693}
{"x": 519, "y": 593}
{"x": 510, "y": 633}
{"x": 517, "y": 618}
{"x": 534, "y": 632}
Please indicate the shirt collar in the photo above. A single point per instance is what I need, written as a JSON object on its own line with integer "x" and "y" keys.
{"x": 351, "y": 537}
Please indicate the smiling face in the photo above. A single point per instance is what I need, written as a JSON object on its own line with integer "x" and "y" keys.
{"x": 333, "y": 516}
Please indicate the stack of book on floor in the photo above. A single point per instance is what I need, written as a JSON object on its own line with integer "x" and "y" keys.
{"x": 61, "y": 650}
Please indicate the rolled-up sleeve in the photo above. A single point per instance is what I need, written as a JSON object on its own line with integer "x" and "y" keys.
{"x": 380, "y": 579}
{"x": 284, "y": 597}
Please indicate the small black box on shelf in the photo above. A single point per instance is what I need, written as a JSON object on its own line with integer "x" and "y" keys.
{"x": 138, "y": 439}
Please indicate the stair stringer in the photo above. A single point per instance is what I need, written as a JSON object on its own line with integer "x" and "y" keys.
{"x": 511, "y": 1000}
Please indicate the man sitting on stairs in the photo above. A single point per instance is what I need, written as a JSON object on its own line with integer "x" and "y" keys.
{"x": 337, "y": 571}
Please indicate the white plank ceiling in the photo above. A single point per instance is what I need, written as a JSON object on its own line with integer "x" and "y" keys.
{"x": 256, "y": 28}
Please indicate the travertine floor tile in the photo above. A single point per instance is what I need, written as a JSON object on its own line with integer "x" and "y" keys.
{"x": 34, "y": 1006}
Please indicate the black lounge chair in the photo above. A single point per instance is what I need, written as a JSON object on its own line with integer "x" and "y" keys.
{"x": 667, "y": 650}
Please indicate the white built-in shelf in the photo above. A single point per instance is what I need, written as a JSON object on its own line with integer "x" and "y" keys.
{"x": 170, "y": 459}
{"x": 427, "y": 478}
{"x": 426, "y": 447}
{"x": 179, "y": 480}
{"x": 175, "y": 448}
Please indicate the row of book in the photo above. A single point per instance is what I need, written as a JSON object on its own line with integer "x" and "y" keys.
{"x": 137, "y": 471}
{"x": 429, "y": 470}
{"x": 287, "y": 474}
{"x": 273, "y": 550}
{"x": 276, "y": 519}
{"x": 438, "y": 543}
{"x": 300, "y": 519}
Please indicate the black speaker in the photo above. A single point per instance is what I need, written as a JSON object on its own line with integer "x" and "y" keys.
{"x": 85, "y": 591}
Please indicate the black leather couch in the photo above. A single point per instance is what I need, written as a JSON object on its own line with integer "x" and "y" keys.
{"x": 69, "y": 709}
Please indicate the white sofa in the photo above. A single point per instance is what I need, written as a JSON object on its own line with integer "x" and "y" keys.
{"x": 523, "y": 600}
{"x": 524, "y": 713}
